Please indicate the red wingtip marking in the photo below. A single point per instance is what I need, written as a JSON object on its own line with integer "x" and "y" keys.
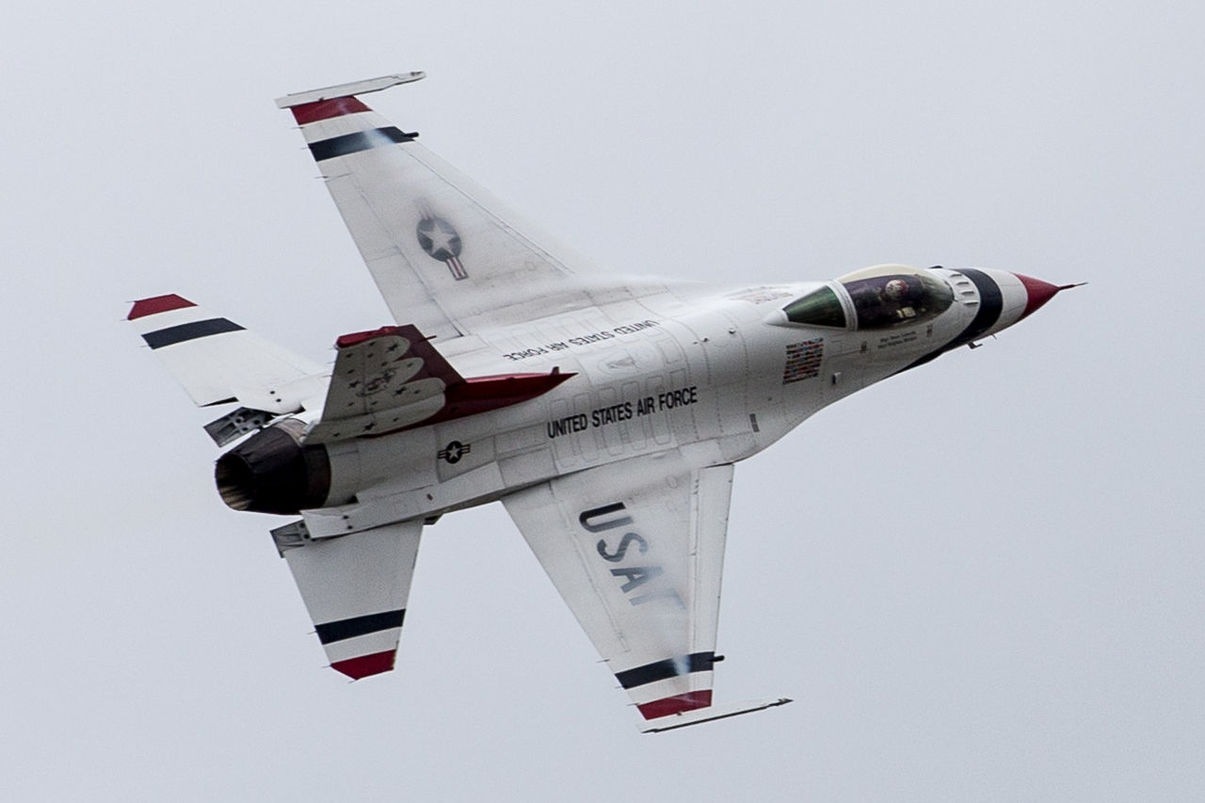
{"x": 364, "y": 665}
{"x": 326, "y": 109}
{"x": 153, "y": 306}
{"x": 676, "y": 704}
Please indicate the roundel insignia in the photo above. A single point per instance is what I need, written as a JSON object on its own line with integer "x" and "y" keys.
{"x": 438, "y": 238}
{"x": 455, "y": 451}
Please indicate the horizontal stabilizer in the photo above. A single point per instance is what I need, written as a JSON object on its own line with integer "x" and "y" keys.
{"x": 355, "y": 588}
{"x": 216, "y": 360}
{"x": 697, "y": 716}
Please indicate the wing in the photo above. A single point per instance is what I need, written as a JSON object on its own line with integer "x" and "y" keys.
{"x": 636, "y": 549}
{"x": 355, "y": 589}
{"x": 446, "y": 255}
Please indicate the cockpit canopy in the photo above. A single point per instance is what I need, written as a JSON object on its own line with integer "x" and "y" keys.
{"x": 873, "y": 298}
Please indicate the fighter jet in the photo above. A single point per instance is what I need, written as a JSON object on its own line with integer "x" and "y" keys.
{"x": 605, "y": 414}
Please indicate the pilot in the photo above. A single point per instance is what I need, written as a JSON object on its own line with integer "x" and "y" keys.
{"x": 896, "y": 292}
{"x": 895, "y": 289}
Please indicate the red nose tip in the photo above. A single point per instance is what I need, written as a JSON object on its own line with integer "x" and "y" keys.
{"x": 1039, "y": 292}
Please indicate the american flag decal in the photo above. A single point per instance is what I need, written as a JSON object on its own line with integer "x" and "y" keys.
{"x": 803, "y": 360}
{"x": 441, "y": 241}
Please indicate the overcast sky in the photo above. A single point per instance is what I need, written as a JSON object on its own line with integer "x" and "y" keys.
{"x": 979, "y": 580}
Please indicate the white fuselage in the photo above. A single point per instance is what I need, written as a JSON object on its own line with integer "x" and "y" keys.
{"x": 718, "y": 376}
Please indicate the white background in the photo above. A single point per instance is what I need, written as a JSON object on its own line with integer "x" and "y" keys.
{"x": 979, "y": 580}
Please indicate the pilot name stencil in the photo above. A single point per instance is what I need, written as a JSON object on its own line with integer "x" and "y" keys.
{"x": 897, "y": 339}
{"x": 624, "y": 411}
{"x": 602, "y": 518}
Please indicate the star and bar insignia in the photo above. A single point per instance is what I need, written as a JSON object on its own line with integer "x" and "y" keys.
{"x": 454, "y": 451}
{"x": 441, "y": 241}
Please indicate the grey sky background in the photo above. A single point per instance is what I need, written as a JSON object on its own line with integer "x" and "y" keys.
{"x": 979, "y": 580}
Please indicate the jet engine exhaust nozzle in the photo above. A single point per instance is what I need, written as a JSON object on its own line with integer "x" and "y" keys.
{"x": 273, "y": 472}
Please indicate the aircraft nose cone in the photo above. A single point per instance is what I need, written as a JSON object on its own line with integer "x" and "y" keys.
{"x": 1038, "y": 291}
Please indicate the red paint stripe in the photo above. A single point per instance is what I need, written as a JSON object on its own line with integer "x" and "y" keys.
{"x": 479, "y": 394}
{"x": 153, "y": 306}
{"x": 356, "y": 338}
{"x": 486, "y": 379}
{"x": 326, "y": 109}
{"x": 676, "y": 704}
{"x": 364, "y": 665}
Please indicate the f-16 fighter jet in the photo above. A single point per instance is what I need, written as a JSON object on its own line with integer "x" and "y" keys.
{"x": 605, "y": 414}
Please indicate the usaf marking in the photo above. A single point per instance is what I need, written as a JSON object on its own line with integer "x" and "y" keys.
{"x": 602, "y": 518}
{"x": 624, "y": 411}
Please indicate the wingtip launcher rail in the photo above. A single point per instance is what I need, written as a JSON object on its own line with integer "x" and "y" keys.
{"x": 701, "y": 715}
{"x": 347, "y": 90}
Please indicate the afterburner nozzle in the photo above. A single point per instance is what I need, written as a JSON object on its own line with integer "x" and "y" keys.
{"x": 273, "y": 472}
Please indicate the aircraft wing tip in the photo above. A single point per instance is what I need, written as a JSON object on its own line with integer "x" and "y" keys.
{"x": 156, "y": 304}
{"x": 363, "y": 666}
{"x": 349, "y": 89}
{"x": 701, "y": 715}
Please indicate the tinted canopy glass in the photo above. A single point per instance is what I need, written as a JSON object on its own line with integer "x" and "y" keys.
{"x": 876, "y": 298}
{"x": 883, "y": 299}
{"x": 818, "y": 308}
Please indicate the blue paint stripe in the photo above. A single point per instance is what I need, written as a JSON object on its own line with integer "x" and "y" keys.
{"x": 669, "y": 668}
{"x": 358, "y": 141}
{"x": 189, "y": 331}
{"x": 991, "y": 304}
{"x": 359, "y": 625}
